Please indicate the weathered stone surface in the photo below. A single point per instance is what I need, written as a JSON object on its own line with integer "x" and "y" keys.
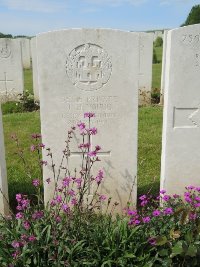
{"x": 181, "y": 126}
{"x": 26, "y": 52}
{"x": 4, "y": 209}
{"x": 34, "y": 69}
{"x": 145, "y": 70}
{"x": 162, "y": 89}
{"x": 92, "y": 70}
{"x": 11, "y": 71}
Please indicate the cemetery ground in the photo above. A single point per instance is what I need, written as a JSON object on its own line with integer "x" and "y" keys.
{"x": 73, "y": 233}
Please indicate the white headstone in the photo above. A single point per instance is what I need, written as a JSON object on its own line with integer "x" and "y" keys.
{"x": 11, "y": 70}
{"x": 181, "y": 127}
{"x": 162, "y": 89}
{"x": 145, "y": 70}
{"x": 92, "y": 70}
{"x": 3, "y": 176}
{"x": 34, "y": 69}
{"x": 26, "y": 54}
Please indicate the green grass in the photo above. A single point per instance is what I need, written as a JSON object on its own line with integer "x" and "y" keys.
{"x": 156, "y": 79}
{"x": 24, "y": 124}
{"x": 157, "y": 68}
{"x": 28, "y": 84}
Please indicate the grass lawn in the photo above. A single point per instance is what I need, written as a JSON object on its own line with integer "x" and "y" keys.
{"x": 28, "y": 84}
{"x": 157, "y": 68}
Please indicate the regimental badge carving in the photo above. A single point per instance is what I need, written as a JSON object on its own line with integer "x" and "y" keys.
{"x": 89, "y": 67}
{"x": 5, "y": 51}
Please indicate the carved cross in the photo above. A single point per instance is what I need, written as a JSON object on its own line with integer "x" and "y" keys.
{"x": 5, "y": 81}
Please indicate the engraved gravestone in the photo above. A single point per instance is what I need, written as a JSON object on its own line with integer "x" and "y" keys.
{"x": 145, "y": 69}
{"x": 181, "y": 126}
{"x": 11, "y": 71}
{"x": 34, "y": 69}
{"x": 3, "y": 177}
{"x": 26, "y": 52}
{"x": 82, "y": 70}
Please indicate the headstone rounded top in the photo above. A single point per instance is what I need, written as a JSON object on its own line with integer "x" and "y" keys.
{"x": 5, "y": 50}
{"x": 89, "y": 66}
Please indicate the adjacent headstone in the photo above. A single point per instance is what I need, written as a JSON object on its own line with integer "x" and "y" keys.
{"x": 81, "y": 70}
{"x": 181, "y": 127}
{"x": 145, "y": 69}
{"x": 34, "y": 69}
{"x": 162, "y": 89}
{"x": 26, "y": 52}
{"x": 4, "y": 209}
{"x": 11, "y": 70}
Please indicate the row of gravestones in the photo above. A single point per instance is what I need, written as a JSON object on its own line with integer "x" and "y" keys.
{"x": 15, "y": 54}
{"x": 100, "y": 75}
{"x": 13, "y": 59}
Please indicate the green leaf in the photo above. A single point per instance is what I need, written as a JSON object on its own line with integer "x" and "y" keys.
{"x": 161, "y": 240}
{"x": 129, "y": 255}
{"x": 192, "y": 251}
{"x": 177, "y": 249}
{"x": 163, "y": 252}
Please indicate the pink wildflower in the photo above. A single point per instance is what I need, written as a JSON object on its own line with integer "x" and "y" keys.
{"x": 18, "y": 197}
{"x": 99, "y": 176}
{"x": 36, "y": 182}
{"x": 192, "y": 216}
{"x": 166, "y": 198}
{"x": 26, "y": 225}
{"x": 92, "y": 154}
{"x": 102, "y": 197}
{"x": 132, "y": 212}
{"x": 74, "y": 201}
{"x": 162, "y": 191}
{"x": 146, "y": 219}
{"x": 93, "y": 131}
{"x": 65, "y": 207}
{"x": 143, "y": 197}
{"x": 32, "y": 238}
{"x": 89, "y": 115}
{"x": 32, "y": 148}
{"x": 152, "y": 241}
{"x": 71, "y": 193}
{"x": 15, "y": 244}
{"x": 19, "y": 215}
{"x": 168, "y": 211}
{"x": 81, "y": 125}
{"x": 36, "y": 136}
{"x": 156, "y": 213}
{"x": 66, "y": 181}
{"x": 97, "y": 148}
{"x": 58, "y": 199}
{"x": 38, "y": 215}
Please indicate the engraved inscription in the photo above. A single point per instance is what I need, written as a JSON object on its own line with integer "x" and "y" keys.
{"x": 89, "y": 67}
{"x": 104, "y": 107}
{"x": 190, "y": 39}
{"x": 5, "y": 51}
{"x": 186, "y": 118}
